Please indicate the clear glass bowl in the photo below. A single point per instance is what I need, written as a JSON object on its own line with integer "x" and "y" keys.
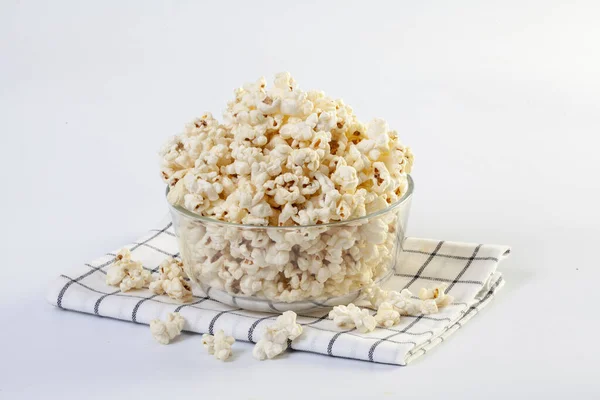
{"x": 299, "y": 268}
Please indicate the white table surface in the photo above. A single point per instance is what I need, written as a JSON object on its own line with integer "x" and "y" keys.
{"x": 500, "y": 103}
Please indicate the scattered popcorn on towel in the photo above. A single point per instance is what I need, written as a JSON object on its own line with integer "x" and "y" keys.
{"x": 126, "y": 273}
{"x": 275, "y": 338}
{"x": 351, "y": 316}
{"x": 171, "y": 281}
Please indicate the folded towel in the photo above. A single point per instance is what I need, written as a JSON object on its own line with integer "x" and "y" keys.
{"x": 468, "y": 269}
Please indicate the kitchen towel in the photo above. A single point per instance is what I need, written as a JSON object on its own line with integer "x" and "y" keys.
{"x": 470, "y": 270}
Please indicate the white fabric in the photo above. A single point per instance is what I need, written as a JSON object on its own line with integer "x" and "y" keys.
{"x": 469, "y": 269}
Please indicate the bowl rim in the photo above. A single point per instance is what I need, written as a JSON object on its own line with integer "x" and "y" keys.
{"x": 404, "y": 199}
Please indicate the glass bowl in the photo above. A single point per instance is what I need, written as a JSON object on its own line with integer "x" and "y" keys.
{"x": 298, "y": 268}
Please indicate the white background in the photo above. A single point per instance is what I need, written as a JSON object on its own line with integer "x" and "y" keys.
{"x": 500, "y": 102}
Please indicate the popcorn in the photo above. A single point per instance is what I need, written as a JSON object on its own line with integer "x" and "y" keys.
{"x": 304, "y": 157}
{"x": 219, "y": 344}
{"x": 176, "y": 288}
{"x": 345, "y": 177}
{"x": 179, "y": 154}
{"x": 299, "y": 131}
{"x": 404, "y": 302}
{"x": 177, "y": 192}
{"x": 264, "y": 349}
{"x": 268, "y": 130}
{"x": 171, "y": 268}
{"x": 351, "y": 316}
{"x": 126, "y": 273}
{"x": 376, "y": 128}
{"x": 135, "y": 279}
{"x": 172, "y": 281}
{"x": 376, "y": 296}
{"x": 387, "y": 316}
{"x": 381, "y": 178}
{"x": 428, "y": 307}
{"x": 117, "y": 271}
{"x": 164, "y": 332}
{"x": 276, "y": 336}
{"x": 437, "y": 294}
{"x": 286, "y": 322}
{"x": 284, "y": 157}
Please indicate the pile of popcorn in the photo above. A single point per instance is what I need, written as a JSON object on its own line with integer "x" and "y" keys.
{"x": 284, "y": 158}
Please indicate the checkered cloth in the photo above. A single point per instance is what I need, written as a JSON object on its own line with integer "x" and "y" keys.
{"x": 469, "y": 270}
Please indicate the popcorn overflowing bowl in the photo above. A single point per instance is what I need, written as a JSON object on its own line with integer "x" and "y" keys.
{"x": 291, "y": 202}
{"x": 299, "y": 268}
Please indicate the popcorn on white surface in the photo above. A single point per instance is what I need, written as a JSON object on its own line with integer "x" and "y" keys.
{"x": 387, "y": 316}
{"x": 264, "y": 349}
{"x": 405, "y": 303}
{"x": 177, "y": 289}
{"x": 351, "y": 316}
{"x": 126, "y": 273}
{"x": 437, "y": 293}
{"x": 135, "y": 279}
{"x": 219, "y": 344}
{"x": 172, "y": 281}
{"x": 376, "y": 295}
{"x": 276, "y": 336}
{"x": 164, "y": 332}
{"x": 286, "y": 323}
{"x": 428, "y": 307}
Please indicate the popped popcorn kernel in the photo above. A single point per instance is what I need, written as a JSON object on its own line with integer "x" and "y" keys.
{"x": 375, "y": 295}
{"x": 429, "y": 301}
{"x": 172, "y": 281}
{"x": 387, "y": 316}
{"x": 438, "y": 294}
{"x": 351, "y": 316}
{"x": 126, "y": 273}
{"x": 219, "y": 345}
{"x": 276, "y": 336}
{"x": 165, "y": 331}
